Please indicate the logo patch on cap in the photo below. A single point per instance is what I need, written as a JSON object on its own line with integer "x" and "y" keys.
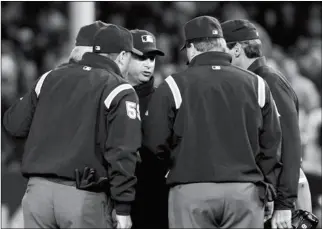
{"x": 147, "y": 38}
{"x": 97, "y": 48}
{"x": 216, "y": 67}
{"x": 215, "y": 32}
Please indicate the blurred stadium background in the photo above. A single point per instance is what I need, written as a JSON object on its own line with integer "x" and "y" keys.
{"x": 37, "y": 36}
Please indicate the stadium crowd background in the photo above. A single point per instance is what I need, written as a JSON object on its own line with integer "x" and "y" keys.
{"x": 35, "y": 37}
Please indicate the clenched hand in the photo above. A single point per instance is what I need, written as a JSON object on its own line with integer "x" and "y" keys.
{"x": 282, "y": 219}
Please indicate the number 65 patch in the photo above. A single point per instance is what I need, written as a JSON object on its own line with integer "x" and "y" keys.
{"x": 132, "y": 110}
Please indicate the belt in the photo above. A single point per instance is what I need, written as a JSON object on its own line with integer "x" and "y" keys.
{"x": 62, "y": 181}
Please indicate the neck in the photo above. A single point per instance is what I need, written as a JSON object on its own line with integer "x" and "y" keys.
{"x": 247, "y": 62}
{"x": 132, "y": 80}
{"x": 196, "y": 53}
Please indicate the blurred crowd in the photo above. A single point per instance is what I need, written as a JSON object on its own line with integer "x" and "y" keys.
{"x": 35, "y": 39}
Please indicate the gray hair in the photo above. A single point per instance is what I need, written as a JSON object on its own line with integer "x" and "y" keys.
{"x": 111, "y": 56}
{"x": 209, "y": 44}
{"x": 78, "y": 52}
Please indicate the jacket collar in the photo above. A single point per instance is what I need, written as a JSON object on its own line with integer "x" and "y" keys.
{"x": 211, "y": 58}
{"x": 259, "y": 62}
{"x": 145, "y": 89}
{"x": 97, "y": 61}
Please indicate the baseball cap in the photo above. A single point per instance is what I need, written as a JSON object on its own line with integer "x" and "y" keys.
{"x": 202, "y": 27}
{"x": 114, "y": 39}
{"x": 239, "y": 30}
{"x": 87, "y": 32}
{"x": 145, "y": 42}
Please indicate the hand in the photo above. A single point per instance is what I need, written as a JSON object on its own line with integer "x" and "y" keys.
{"x": 123, "y": 221}
{"x": 89, "y": 180}
{"x": 282, "y": 219}
{"x": 269, "y": 208}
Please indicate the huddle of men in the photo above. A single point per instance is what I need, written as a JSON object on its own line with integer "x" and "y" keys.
{"x": 216, "y": 145}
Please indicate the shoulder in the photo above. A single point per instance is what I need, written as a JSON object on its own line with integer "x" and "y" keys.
{"x": 275, "y": 79}
{"x": 241, "y": 71}
{"x": 114, "y": 93}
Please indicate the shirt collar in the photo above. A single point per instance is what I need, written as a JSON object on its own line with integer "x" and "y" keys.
{"x": 211, "y": 58}
{"x": 97, "y": 61}
{"x": 261, "y": 61}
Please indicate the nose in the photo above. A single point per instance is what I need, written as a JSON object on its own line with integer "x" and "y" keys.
{"x": 148, "y": 63}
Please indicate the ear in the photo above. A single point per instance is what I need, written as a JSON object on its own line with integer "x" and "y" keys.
{"x": 192, "y": 48}
{"x": 120, "y": 58}
{"x": 238, "y": 50}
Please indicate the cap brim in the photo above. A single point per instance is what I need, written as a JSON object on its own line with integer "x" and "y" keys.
{"x": 137, "y": 52}
{"x": 183, "y": 47}
{"x": 154, "y": 52}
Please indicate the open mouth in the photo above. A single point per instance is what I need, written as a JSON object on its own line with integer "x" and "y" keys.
{"x": 146, "y": 74}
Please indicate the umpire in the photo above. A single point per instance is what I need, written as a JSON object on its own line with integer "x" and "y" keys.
{"x": 83, "y": 131}
{"x": 246, "y": 50}
{"x": 149, "y": 172}
{"x": 220, "y": 128}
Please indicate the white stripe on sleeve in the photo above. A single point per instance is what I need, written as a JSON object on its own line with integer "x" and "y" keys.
{"x": 261, "y": 92}
{"x": 302, "y": 180}
{"x": 115, "y": 92}
{"x": 175, "y": 91}
{"x": 40, "y": 83}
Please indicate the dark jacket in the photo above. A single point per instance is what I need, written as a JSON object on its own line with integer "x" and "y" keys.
{"x": 219, "y": 123}
{"x": 144, "y": 92}
{"x": 147, "y": 211}
{"x": 81, "y": 114}
{"x": 287, "y": 106}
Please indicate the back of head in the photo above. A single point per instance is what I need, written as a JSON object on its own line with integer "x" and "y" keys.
{"x": 205, "y": 33}
{"x": 244, "y": 33}
{"x": 84, "y": 40}
{"x": 116, "y": 43}
{"x": 265, "y": 39}
{"x": 85, "y": 36}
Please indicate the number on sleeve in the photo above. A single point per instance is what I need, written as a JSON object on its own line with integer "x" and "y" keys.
{"x": 132, "y": 110}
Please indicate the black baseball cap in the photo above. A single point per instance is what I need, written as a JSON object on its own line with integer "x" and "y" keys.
{"x": 145, "y": 42}
{"x": 86, "y": 33}
{"x": 239, "y": 30}
{"x": 202, "y": 27}
{"x": 114, "y": 39}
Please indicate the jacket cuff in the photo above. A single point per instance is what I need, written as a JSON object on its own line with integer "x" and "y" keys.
{"x": 122, "y": 208}
{"x": 283, "y": 205}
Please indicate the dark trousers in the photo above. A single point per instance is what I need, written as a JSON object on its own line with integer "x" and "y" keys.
{"x": 150, "y": 208}
{"x": 215, "y": 205}
{"x": 48, "y": 204}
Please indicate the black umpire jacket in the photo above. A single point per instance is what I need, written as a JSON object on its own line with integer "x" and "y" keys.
{"x": 287, "y": 106}
{"x": 77, "y": 115}
{"x": 216, "y": 122}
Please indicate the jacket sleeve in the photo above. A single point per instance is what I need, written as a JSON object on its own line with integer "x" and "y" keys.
{"x": 123, "y": 140}
{"x": 270, "y": 139}
{"x": 158, "y": 125}
{"x": 18, "y": 118}
{"x": 287, "y": 185}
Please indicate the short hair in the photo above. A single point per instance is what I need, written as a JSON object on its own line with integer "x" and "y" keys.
{"x": 111, "y": 56}
{"x": 78, "y": 52}
{"x": 252, "y": 48}
{"x": 208, "y": 44}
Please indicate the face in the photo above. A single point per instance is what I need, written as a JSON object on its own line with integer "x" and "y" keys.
{"x": 141, "y": 68}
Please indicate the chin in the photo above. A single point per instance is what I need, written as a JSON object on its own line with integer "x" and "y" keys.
{"x": 144, "y": 78}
